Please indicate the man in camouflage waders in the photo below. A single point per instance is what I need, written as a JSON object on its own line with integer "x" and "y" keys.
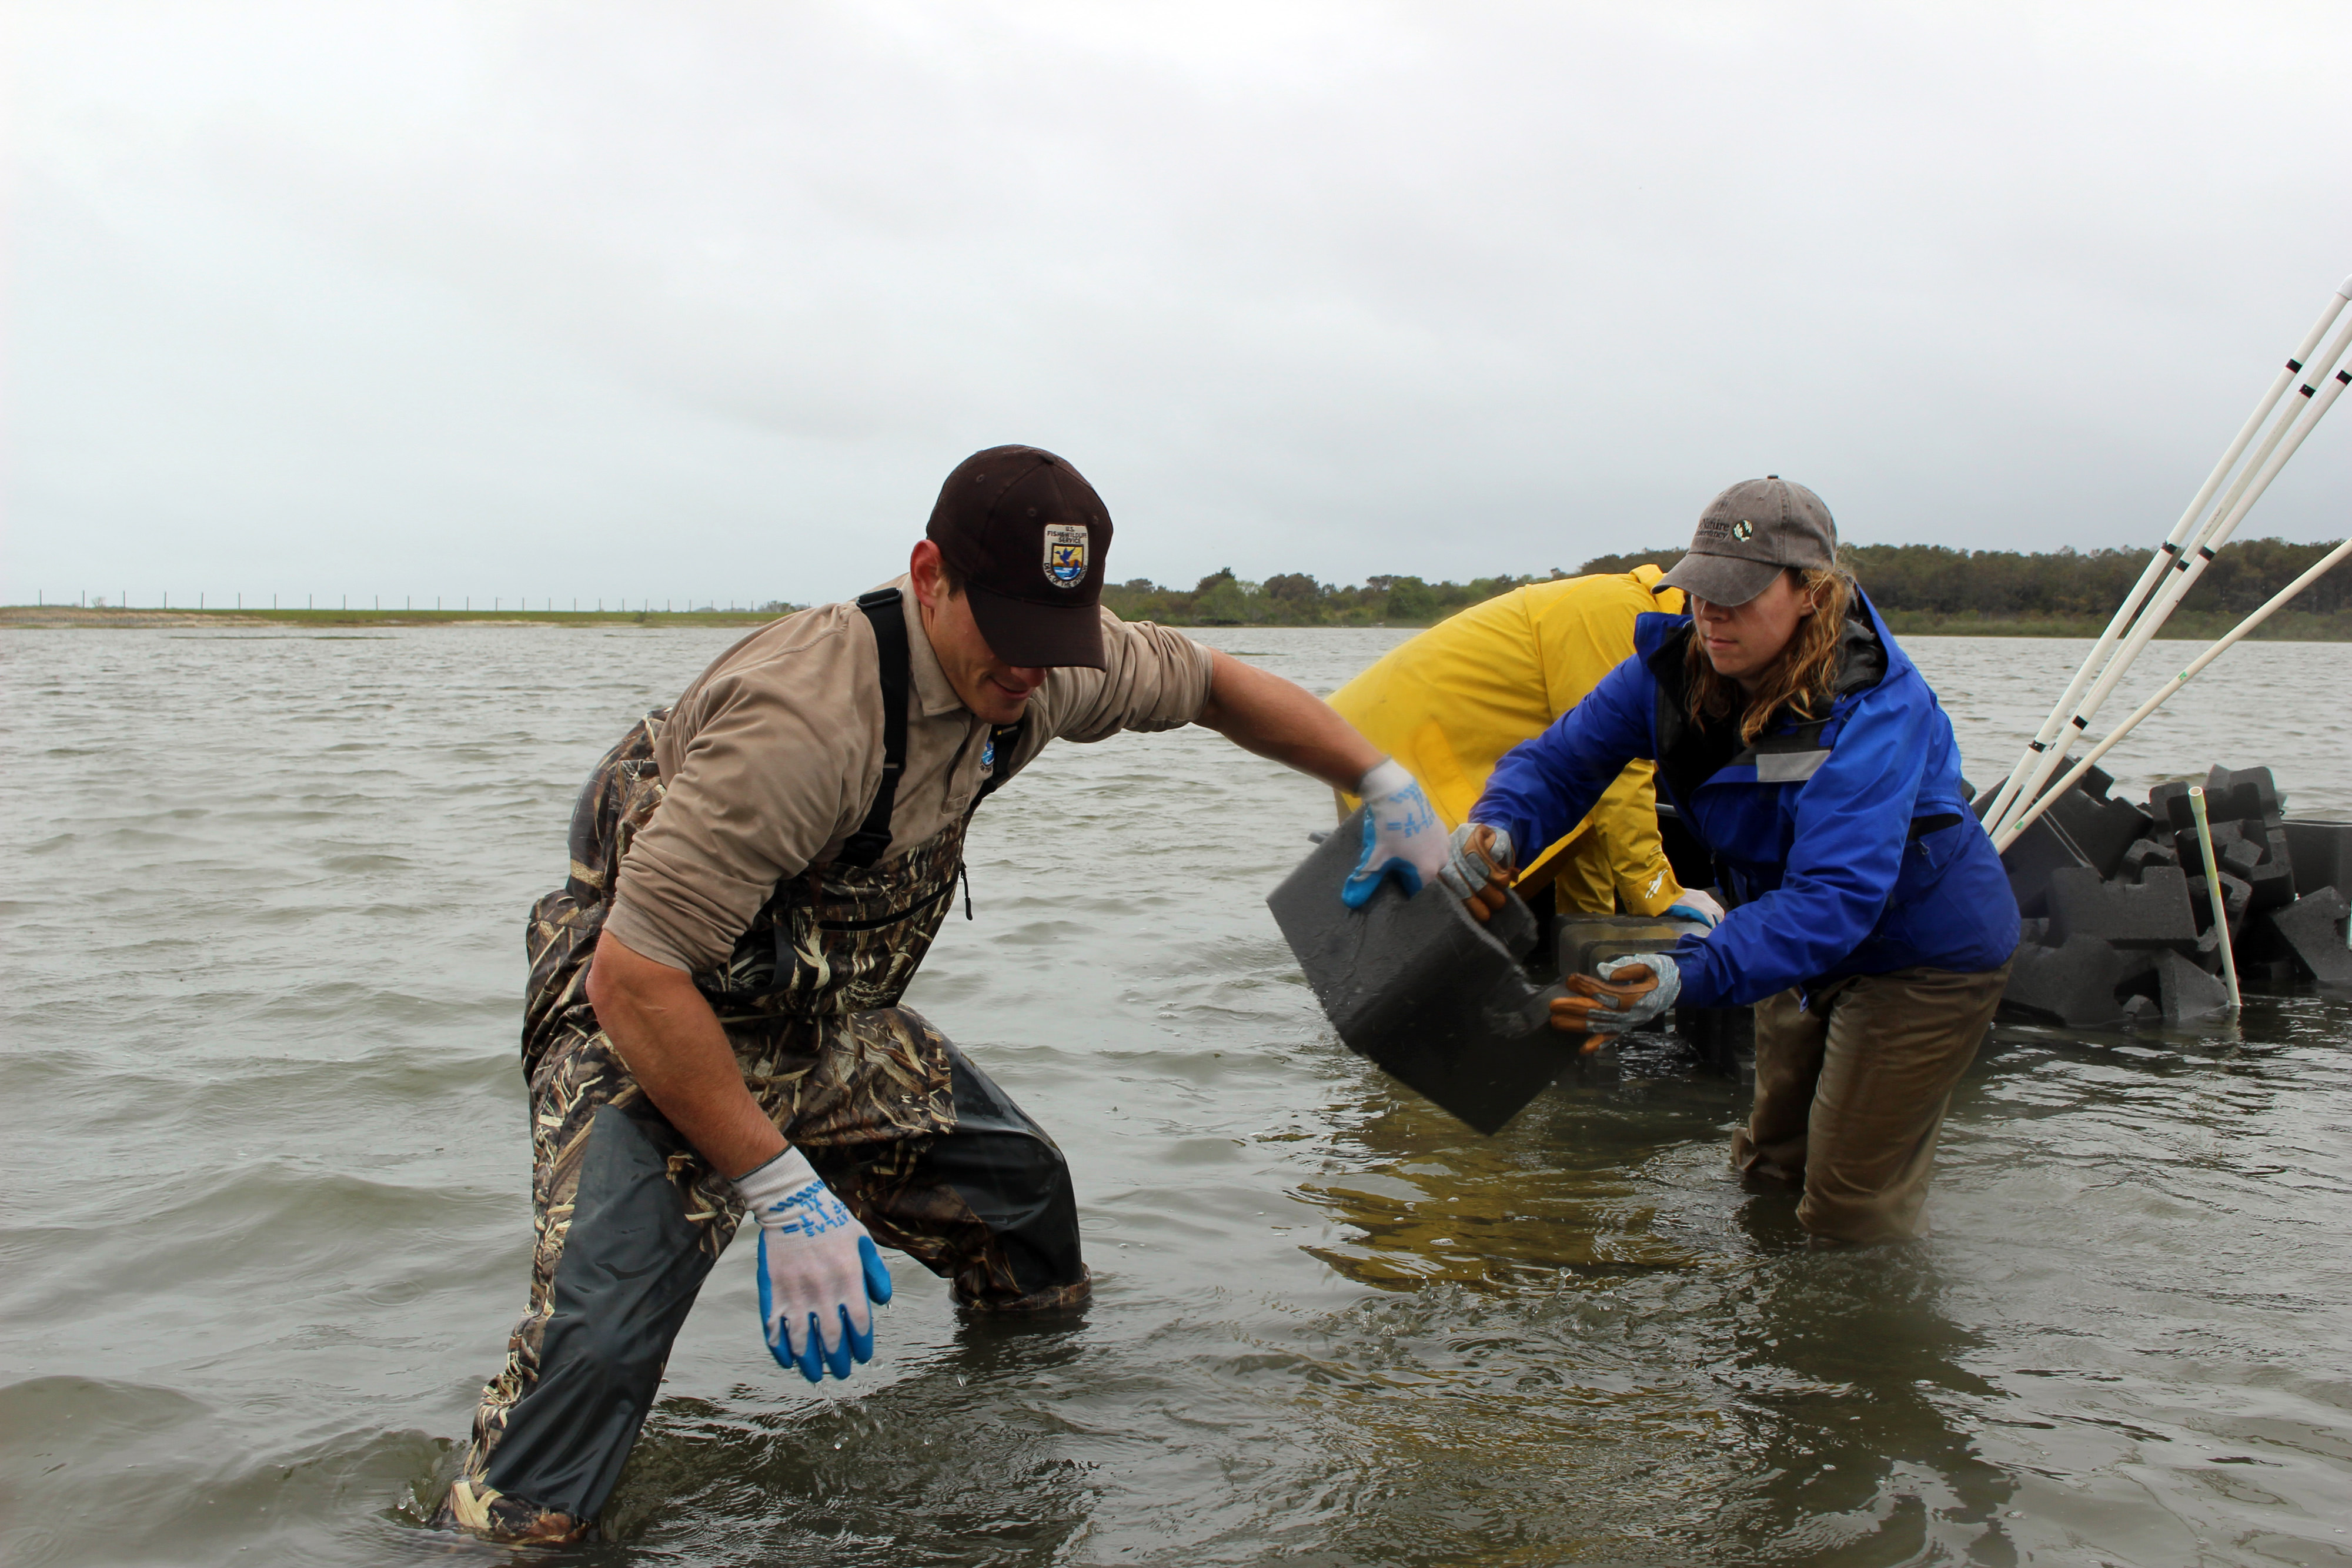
{"x": 712, "y": 1021}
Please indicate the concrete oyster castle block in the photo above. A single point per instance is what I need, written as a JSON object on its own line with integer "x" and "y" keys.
{"x": 2119, "y": 926}
{"x": 2185, "y": 993}
{"x": 1720, "y": 1036}
{"x": 2249, "y": 835}
{"x": 1416, "y": 986}
{"x": 2080, "y": 983}
{"x": 2313, "y": 927}
{"x": 1585, "y": 942}
{"x": 2151, "y": 912}
{"x": 2085, "y": 827}
{"x": 2322, "y": 856}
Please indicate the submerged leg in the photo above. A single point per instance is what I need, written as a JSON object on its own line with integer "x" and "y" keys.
{"x": 1897, "y": 1045}
{"x": 1790, "y": 1042}
{"x": 629, "y": 1221}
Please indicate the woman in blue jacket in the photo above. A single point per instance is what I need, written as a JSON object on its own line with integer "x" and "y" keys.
{"x": 1871, "y": 922}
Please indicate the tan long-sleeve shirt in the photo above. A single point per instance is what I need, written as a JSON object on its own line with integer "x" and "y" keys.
{"x": 771, "y": 760}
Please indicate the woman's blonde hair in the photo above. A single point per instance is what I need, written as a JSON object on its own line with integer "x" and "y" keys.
{"x": 1800, "y": 679}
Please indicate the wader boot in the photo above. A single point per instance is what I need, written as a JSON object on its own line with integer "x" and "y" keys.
{"x": 931, "y": 1157}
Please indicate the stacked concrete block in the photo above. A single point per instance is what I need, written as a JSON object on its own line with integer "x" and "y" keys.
{"x": 2038, "y": 851}
{"x": 2186, "y": 994}
{"x": 2313, "y": 929}
{"x": 1721, "y": 1036}
{"x": 2308, "y": 935}
{"x": 2143, "y": 854}
{"x": 2241, "y": 805}
{"x": 2083, "y": 983}
{"x": 2118, "y": 924}
{"x": 2085, "y": 828}
{"x": 2150, "y": 913}
{"x": 2104, "y": 828}
{"x": 2322, "y": 853}
{"x": 2237, "y": 899}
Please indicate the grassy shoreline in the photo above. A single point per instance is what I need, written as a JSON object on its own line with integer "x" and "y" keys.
{"x": 2203, "y": 626}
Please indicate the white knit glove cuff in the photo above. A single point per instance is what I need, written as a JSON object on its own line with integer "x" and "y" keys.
{"x": 1386, "y": 778}
{"x": 770, "y": 1184}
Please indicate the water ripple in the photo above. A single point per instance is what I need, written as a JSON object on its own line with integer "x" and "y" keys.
{"x": 268, "y": 1225}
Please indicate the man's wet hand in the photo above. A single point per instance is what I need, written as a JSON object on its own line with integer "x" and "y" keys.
{"x": 1479, "y": 868}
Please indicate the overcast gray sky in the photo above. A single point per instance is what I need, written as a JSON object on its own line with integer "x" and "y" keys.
{"x": 696, "y": 300}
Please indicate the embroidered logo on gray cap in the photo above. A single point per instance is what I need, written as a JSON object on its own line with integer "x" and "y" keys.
{"x": 1743, "y": 530}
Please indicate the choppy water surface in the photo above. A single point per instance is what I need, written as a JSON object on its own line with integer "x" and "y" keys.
{"x": 266, "y": 1224}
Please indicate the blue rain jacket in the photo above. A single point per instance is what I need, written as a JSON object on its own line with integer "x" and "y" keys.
{"x": 1846, "y": 843}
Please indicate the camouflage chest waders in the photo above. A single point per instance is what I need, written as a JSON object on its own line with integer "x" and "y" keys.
{"x": 929, "y": 1153}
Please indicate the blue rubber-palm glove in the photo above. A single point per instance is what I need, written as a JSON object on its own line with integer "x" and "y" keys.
{"x": 818, "y": 1270}
{"x": 1403, "y": 836}
{"x": 1608, "y": 1019}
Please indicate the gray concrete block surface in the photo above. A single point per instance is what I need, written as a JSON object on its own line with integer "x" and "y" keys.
{"x": 1416, "y": 986}
{"x": 2154, "y": 912}
{"x": 2313, "y": 928}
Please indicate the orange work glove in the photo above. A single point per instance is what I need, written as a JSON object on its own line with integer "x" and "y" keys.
{"x": 1479, "y": 869}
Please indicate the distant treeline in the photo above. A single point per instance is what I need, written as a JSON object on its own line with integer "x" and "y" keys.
{"x": 1295, "y": 599}
{"x": 1917, "y": 587}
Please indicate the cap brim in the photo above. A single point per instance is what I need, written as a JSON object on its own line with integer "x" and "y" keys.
{"x": 1725, "y": 580}
{"x": 1046, "y": 636}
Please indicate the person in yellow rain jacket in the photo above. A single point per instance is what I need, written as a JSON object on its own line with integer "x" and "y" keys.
{"x": 1448, "y": 703}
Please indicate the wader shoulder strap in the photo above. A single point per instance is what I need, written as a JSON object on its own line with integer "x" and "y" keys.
{"x": 1003, "y": 740}
{"x": 887, "y": 611}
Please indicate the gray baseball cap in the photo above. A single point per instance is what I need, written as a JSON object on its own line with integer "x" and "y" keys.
{"x": 1748, "y": 534}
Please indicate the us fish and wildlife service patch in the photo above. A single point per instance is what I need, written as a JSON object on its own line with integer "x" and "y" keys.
{"x": 1066, "y": 554}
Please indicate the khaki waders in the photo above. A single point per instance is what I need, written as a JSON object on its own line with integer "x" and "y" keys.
{"x": 1852, "y": 1084}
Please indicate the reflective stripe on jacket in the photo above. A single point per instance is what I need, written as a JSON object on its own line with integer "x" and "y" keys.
{"x": 1448, "y": 703}
{"x": 1846, "y": 843}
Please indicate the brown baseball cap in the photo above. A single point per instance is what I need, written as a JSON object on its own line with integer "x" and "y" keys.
{"x": 1030, "y": 538}
{"x": 1748, "y": 534}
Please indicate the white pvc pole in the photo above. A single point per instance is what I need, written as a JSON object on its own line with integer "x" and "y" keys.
{"x": 2247, "y": 489}
{"x": 2187, "y": 566}
{"x": 2281, "y": 444}
{"x": 2166, "y": 554}
{"x": 2213, "y": 893}
{"x": 2276, "y": 602}
{"x": 2169, "y": 551}
{"x": 2235, "y": 501}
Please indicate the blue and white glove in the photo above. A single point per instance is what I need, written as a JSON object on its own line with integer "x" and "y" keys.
{"x": 818, "y": 1270}
{"x": 1608, "y": 1019}
{"x": 1403, "y": 836}
{"x": 1697, "y": 904}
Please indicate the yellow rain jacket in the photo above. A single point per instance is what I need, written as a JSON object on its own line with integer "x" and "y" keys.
{"x": 1449, "y": 702}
